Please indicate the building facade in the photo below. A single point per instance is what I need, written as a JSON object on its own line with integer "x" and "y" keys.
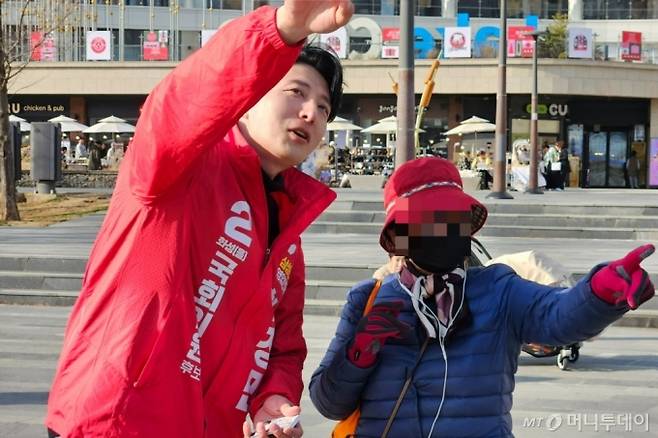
{"x": 603, "y": 107}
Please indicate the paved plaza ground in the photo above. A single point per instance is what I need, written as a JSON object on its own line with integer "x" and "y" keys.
{"x": 616, "y": 376}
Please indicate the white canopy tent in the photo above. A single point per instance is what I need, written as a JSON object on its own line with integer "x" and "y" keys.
{"x": 341, "y": 124}
{"x": 472, "y": 125}
{"x": 25, "y": 126}
{"x": 111, "y": 124}
{"x": 68, "y": 124}
{"x": 384, "y": 126}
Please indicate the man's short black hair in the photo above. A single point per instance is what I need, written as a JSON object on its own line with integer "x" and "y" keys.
{"x": 329, "y": 67}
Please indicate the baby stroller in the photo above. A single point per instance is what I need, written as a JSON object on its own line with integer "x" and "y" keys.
{"x": 538, "y": 267}
{"x": 565, "y": 354}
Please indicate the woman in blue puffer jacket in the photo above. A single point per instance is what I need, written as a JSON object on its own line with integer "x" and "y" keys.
{"x": 453, "y": 334}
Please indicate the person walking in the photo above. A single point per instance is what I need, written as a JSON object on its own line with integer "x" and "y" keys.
{"x": 190, "y": 313}
{"x": 432, "y": 351}
{"x": 553, "y": 168}
{"x": 633, "y": 170}
{"x": 565, "y": 166}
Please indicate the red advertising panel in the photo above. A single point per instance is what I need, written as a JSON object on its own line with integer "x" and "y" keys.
{"x": 43, "y": 47}
{"x": 35, "y": 46}
{"x": 631, "y": 46}
{"x": 519, "y": 43}
{"x": 155, "y": 46}
{"x": 390, "y": 33}
{"x": 391, "y": 42}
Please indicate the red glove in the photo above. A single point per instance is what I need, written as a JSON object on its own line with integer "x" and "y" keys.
{"x": 374, "y": 329}
{"x": 624, "y": 280}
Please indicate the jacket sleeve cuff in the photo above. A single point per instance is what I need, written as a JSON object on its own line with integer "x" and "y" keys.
{"x": 267, "y": 17}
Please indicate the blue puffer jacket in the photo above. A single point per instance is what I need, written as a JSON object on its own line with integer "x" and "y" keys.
{"x": 482, "y": 356}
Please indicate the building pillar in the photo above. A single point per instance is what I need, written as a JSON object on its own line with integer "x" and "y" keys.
{"x": 78, "y": 108}
{"x": 449, "y": 8}
{"x": 653, "y": 119}
{"x": 455, "y": 111}
{"x": 575, "y": 10}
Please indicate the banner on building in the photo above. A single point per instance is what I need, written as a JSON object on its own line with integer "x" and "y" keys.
{"x": 457, "y": 42}
{"x": 631, "y": 46}
{"x": 337, "y": 41}
{"x": 581, "y": 43}
{"x": 653, "y": 163}
{"x": 390, "y": 42}
{"x": 43, "y": 46}
{"x": 206, "y": 34}
{"x": 156, "y": 45}
{"x": 99, "y": 44}
{"x": 519, "y": 43}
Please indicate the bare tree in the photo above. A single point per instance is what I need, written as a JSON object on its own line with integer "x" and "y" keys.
{"x": 9, "y": 68}
{"x": 15, "y": 38}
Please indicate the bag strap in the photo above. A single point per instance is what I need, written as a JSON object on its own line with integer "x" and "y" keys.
{"x": 371, "y": 297}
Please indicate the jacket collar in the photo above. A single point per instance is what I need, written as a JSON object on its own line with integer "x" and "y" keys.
{"x": 309, "y": 197}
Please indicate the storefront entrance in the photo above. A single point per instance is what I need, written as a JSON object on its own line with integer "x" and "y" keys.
{"x": 606, "y": 154}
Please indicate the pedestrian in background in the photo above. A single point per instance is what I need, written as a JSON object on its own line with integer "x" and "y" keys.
{"x": 553, "y": 168}
{"x": 633, "y": 170}
{"x": 565, "y": 166}
{"x": 80, "y": 149}
{"x": 190, "y": 313}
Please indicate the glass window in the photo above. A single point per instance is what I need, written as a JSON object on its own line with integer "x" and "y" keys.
{"x": 471, "y": 7}
{"x": 552, "y": 7}
{"x": 428, "y": 8}
{"x": 224, "y": 4}
{"x": 618, "y": 10}
{"x": 594, "y": 9}
{"x": 368, "y": 7}
{"x": 480, "y": 8}
{"x": 639, "y": 9}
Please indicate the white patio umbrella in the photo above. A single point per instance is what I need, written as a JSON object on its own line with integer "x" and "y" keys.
{"x": 25, "y": 126}
{"x": 110, "y": 124}
{"x": 472, "y": 125}
{"x": 384, "y": 126}
{"x": 341, "y": 124}
{"x": 68, "y": 124}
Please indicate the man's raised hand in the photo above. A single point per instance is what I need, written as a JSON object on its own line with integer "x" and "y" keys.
{"x": 297, "y": 19}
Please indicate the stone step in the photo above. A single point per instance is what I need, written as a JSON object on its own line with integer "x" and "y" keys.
{"x": 352, "y": 216}
{"x": 516, "y": 208}
{"x": 574, "y": 221}
{"x": 38, "y": 297}
{"x": 504, "y": 231}
{"x": 42, "y": 263}
{"x": 40, "y": 280}
{"x": 543, "y": 220}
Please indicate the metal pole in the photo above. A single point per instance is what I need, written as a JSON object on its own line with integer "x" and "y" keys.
{"x": 405, "y": 149}
{"x": 534, "y": 152}
{"x": 500, "y": 161}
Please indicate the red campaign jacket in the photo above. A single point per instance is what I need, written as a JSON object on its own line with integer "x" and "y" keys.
{"x": 186, "y": 319}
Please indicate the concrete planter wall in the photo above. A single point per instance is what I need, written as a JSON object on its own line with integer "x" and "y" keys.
{"x": 96, "y": 179}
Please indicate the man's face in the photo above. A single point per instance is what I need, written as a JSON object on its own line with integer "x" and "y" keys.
{"x": 288, "y": 123}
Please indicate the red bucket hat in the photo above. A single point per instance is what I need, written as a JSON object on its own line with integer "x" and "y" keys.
{"x": 427, "y": 184}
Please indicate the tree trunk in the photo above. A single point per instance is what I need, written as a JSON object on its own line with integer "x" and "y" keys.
{"x": 8, "y": 208}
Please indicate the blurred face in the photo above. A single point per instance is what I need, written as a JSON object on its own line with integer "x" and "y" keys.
{"x": 288, "y": 123}
{"x": 436, "y": 241}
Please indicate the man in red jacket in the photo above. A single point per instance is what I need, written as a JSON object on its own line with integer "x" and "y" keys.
{"x": 190, "y": 313}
